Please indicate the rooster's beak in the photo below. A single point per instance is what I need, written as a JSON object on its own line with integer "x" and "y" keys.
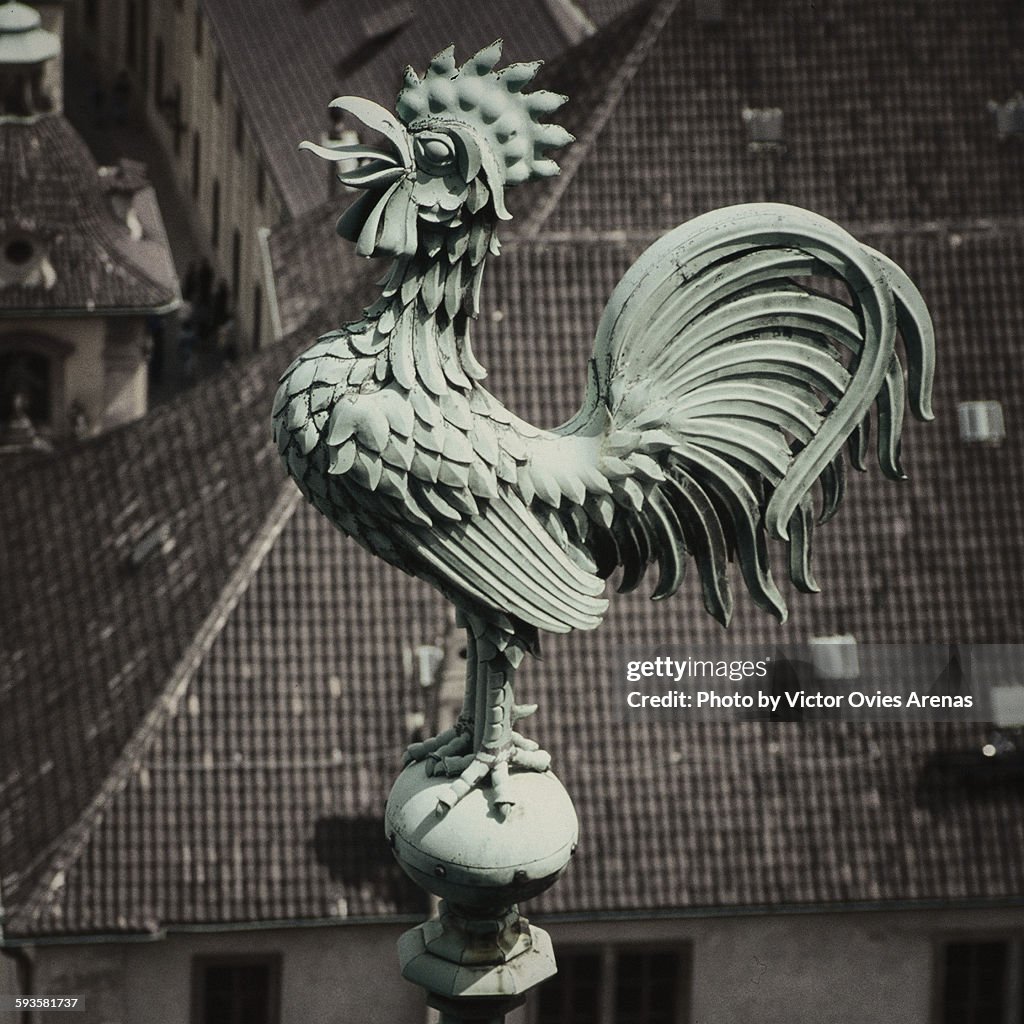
{"x": 382, "y": 222}
{"x": 375, "y": 168}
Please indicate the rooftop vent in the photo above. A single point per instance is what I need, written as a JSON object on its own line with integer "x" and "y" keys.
{"x": 981, "y": 422}
{"x": 1008, "y": 706}
{"x": 428, "y": 660}
{"x": 157, "y": 539}
{"x": 1009, "y": 116}
{"x": 834, "y": 657}
{"x": 764, "y": 126}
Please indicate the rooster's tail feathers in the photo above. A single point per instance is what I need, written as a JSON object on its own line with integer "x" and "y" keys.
{"x": 754, "y": 385}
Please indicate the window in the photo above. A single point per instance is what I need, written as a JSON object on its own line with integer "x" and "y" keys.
{"x": 215, "y": 214}
{"x": 573, "y": 996}
{"x": 25, "y": 386}
{"x": 616, "y": 986}
{"x": 32, "y": 379}
{"x": 236, "y": 990}
{"x": 982, "y": 982}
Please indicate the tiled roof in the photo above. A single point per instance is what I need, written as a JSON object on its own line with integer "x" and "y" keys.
{"x": 319, "y": 49}
{"x": 315, "y": 271}
{"x": 258, "y": 793}
{"x": 885, "y": 110}
{"x": 254, "y": 791}
{"x": 51, "y": 191}
{"x": 113, "y": 555}
{"x": 603, "y": 12}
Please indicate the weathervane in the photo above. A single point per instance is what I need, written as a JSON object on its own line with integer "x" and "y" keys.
{"x": 718, "y": 402}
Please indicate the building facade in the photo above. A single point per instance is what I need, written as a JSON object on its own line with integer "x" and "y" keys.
{"x": 178, "y": 80}
{"x": 85, "y": 270}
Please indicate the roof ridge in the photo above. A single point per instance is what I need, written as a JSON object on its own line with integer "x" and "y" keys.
{"x": 1010, "y": 224}
{"x": 69, "y": 846}
{"x": 660, "y": 15}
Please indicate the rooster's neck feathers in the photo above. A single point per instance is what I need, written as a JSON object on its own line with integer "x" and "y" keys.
{"x": 427, "y": 303}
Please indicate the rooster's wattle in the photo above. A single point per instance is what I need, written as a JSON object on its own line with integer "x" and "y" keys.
{"x": 719, "y": 393}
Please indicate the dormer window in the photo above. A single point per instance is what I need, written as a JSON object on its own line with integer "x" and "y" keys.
{"x": 18, "y": 251}
{"x": 23, "y": 262}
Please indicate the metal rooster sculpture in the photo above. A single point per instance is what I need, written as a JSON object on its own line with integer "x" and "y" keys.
{"x": 721, "y": 392}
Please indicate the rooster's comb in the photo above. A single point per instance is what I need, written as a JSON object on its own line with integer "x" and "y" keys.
{"x": 493, "y": 104}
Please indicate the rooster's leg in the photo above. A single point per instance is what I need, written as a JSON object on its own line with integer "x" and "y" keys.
{"x": 496, "y": 745}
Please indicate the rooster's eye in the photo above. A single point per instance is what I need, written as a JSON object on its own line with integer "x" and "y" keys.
{"x": 435, "y": 153}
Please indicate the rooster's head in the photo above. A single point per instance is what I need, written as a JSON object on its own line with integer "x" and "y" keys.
{"x": 461, "y": 137}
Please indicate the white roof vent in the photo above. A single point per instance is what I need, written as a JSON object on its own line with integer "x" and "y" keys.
{"x": 1008, "y": 706}
{"x": 981, "y": 422}
{"x": 765, "y": 127}
{"x": 1009, "y": 116}
{"x": 834, "y": 657}
{"x": 428, "y": 658}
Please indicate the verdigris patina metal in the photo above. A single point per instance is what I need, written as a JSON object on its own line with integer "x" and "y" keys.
{"x": 719, "y": 398}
